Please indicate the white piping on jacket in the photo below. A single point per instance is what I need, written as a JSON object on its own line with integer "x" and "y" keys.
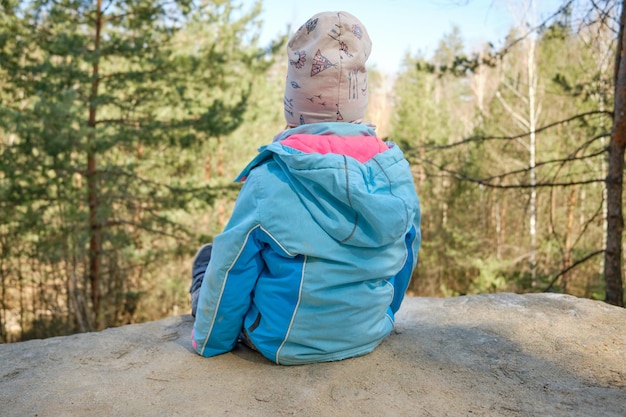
{"x": 219, "y": 299}
{"x": 295, "y": 310}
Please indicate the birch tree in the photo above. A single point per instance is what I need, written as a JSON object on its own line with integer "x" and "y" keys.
{"x": 528, "y": 95}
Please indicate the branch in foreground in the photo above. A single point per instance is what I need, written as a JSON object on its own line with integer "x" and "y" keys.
{"x": 572, "y": 266}
{"x": 521, "y": 135}
{"x": 462, "y": 64}
{"x": 543, "y": 163}
{"x": 487, "y": 181}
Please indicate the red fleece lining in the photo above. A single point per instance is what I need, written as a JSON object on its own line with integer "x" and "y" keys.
{"x": 361, "y": 148}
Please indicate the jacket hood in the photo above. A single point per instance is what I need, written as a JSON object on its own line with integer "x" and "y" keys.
{"x": 358, "y": 189}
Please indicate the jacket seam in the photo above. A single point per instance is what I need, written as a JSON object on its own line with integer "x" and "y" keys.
{"x": 226, "y": 277}
{"x": 407, "y": 219}
{"x": 295, "y": 310}
{"x": 349, "y": 199}
{"x": 393, "y": 290}
{"x": 275, "y": 240}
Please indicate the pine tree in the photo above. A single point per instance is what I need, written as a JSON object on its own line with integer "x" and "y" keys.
{"x": 104, "y": 107}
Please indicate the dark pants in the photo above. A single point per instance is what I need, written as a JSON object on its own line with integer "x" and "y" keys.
{"x": 198, "y": 269}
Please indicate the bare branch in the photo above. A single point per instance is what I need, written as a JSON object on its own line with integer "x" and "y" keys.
{"x": 521, "y": 135}
{"x": 521, "y": 121}
{"x": 487, "y": 182}
{"x": 572, "y": 266}
{"x": 598, "y": 212}
{"x": 462, "y": 64}
{"x": 561, "y": 161}
{"x": 535, "y": 28}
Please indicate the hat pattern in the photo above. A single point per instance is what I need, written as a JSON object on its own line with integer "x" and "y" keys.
{"x": 320, "y": 63}
{"x": 326, "y": 75}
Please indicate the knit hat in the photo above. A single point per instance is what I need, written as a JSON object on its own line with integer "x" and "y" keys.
{"x": 326, "y": 75}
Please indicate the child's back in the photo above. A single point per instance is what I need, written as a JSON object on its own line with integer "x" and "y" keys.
{"x": 324, "y": 236}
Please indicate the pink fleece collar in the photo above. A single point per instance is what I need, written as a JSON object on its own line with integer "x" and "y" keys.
{"x": 361, "y": 148}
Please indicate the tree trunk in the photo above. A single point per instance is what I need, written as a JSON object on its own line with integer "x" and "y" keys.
{"x": 220, "y": 157}
{"x": 533, "y": 114}
{"x": 532, "y": 157}
{"x": 614, "y": 179}
{"x": 569, "y": 233}
{"x": 92, "y": 185}
{"x": 3, "y": 308}
{"x": 207, "y": 167}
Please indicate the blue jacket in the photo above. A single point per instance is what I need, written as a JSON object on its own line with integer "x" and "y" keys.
{"x": 319, "y": 250}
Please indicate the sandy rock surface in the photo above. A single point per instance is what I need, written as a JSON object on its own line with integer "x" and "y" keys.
{"x": 486, "y": 355}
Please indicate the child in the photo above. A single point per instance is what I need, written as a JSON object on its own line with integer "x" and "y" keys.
{"x": 324, "y": 235}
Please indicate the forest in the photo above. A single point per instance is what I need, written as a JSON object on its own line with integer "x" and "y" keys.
{"x": 124, "y": 122}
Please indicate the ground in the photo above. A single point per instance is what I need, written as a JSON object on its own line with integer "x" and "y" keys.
{"x": 486, "y": 355}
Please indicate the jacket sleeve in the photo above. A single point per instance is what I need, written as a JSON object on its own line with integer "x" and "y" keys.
{"x": 229, "y": 281}
{"x": 402, "y": 279}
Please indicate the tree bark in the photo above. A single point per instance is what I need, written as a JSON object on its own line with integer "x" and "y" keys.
{"x": 92, "y": 185}
{"x": 569, "y": 232}
{"x": 614, "y": 179}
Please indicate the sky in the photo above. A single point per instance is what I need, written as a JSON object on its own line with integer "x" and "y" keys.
{"x": 400, "y": 26}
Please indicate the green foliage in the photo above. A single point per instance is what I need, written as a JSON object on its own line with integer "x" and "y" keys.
{"x": 463, "y": 122}
{"x": 103, "y": 113}
{"x": 490, "y": 277}
{"x": 121, "y": 130}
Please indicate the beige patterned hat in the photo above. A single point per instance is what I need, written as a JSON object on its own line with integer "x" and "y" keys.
{"x": 326, "y": 75}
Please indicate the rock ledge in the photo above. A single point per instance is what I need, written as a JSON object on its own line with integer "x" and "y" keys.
{"x": 485, "y": 355}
